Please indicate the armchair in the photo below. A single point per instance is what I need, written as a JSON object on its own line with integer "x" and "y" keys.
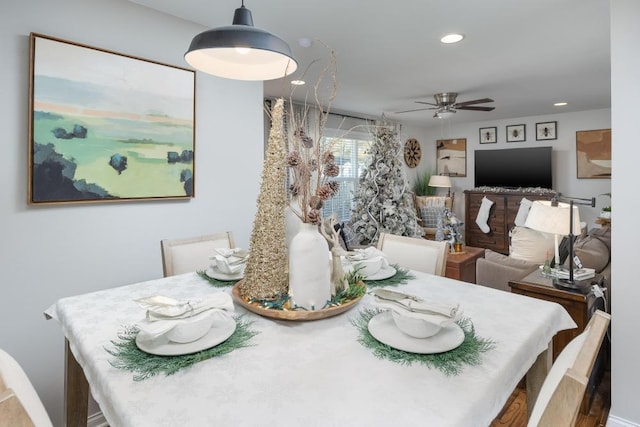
{"x": 427, "y": 210}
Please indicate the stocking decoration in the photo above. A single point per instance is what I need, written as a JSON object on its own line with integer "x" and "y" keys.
{"x": 483, "y": 215}
{"x": 523, "y": 212}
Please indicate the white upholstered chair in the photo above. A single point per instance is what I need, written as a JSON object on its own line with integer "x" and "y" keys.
{"x": 191, "y": 254}
{"x": 418, "y": 254}
{"x": 561, "y": 393}
{"x": 20, "y": 405}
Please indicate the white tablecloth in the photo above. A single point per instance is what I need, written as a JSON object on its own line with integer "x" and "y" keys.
{"x": 309, "y": 373}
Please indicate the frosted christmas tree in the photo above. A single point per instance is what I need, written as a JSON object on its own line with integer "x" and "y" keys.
{"x": 383, "y": 203}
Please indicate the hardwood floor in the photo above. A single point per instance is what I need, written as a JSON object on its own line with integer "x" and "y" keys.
{"x": 514, "y": 413}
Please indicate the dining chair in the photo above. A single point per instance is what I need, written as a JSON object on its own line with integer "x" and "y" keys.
{"x": 191, "y": 254}
{"x": 20, "y": 405}
{"x": 562, "y": 391}
{"x": 428, "y": 256}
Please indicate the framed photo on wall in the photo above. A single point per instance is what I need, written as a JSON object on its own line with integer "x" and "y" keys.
{"x": 107, "y": 127}
{"x": 546, "y": 130}
{"x": 451, "y": 157}
{"x": 488, "y": 135}
{"x": 516, "y": 133}
{"x": 593, "y": 153}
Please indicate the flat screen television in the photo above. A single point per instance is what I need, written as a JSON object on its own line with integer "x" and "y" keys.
{"x": 514, "y": 167}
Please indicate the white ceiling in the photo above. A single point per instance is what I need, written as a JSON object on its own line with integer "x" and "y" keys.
{"x": 524, "y": 54}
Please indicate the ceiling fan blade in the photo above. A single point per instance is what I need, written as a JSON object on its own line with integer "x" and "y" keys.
{"x": 427, "y": 103}
{"x": 474, "y": 101}
{"x": 411, "y": 111}
{"x": 475, "y": 108}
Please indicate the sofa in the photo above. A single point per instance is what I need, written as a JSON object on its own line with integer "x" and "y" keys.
{"x": 529, "y": 249}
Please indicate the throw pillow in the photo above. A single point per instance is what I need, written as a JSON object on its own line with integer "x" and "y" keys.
{"x": 430, "y": 217}
{"x": 593, "y": 253}
{"x": 531, "y": 245}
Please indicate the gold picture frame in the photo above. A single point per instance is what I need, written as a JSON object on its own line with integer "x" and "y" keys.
{"x": 593, "y": 154}
{"x": 107, "y": 127}
{"x": 451, "y": 157}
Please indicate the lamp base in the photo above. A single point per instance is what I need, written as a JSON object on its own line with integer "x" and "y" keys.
{"x": 582, "y": 286}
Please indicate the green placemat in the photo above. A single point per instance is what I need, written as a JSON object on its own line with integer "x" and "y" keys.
{"x": 402, "y": 276}
{"x": 215, "y": 282}
{"x": 129, "y": 357}
{"x": 449, "y": 363}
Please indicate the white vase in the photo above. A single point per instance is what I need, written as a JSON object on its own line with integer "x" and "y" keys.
{"x": 291, "y": 220}
{"x": 309, "y": 268}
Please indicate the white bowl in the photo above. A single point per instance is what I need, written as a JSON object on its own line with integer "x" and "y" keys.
{"x": 368, "y": 267}
{"x": 414, "y": 326}
{"x": 191, "y": 328}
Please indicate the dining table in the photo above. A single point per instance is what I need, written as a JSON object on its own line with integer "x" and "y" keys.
{"x": 312, "y": 373}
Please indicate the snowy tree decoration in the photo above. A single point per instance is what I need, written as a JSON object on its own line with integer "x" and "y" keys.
{"x": 383, "y": 203}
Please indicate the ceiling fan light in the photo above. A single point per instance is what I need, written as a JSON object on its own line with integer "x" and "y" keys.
{"x": 241, "y": 51}
{"x": 451, "y": 38}
{"x": 445, "y": 114}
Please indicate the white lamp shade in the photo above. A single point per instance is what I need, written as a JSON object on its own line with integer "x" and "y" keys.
{"x": 439, "y": 181}
{"x": 552, "y": 219}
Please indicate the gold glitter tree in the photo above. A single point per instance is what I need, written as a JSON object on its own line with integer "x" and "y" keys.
{"x": 267, "y": 270}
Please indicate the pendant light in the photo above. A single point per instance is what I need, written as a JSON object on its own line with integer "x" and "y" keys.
{"x": 241, "y": 51}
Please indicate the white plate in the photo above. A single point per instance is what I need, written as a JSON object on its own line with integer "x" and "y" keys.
{"x": 383, "y": 273}
{"x": 220, "y": 331}
{"x": 384, "y": 329}
{"x": 214, "y": 273}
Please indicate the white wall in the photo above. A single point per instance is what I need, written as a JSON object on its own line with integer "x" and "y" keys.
{"x": 52, "y": 252}
{"x": 564, "y": 154}
{"x": 625, "y": 91}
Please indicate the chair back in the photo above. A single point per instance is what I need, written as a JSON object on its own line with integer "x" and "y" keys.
{"x": 427, "y": 256}
{"x": 561, "y": 393}
{"x": 191, "y": 254}
{"x": 20, "y": 405}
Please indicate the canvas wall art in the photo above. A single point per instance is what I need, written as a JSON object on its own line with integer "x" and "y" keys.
{"x": 108, "y": 127}
{"x": 593, "y": 153}
{"x": 451, "y": 157}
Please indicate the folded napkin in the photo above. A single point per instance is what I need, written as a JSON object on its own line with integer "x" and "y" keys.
{"x": 367, "y": 253}
{"x": 229, "y": 265}
{"x": 164, "y": 314}
{"x": 227, "y": 252}
{"x": 398, "y": 300}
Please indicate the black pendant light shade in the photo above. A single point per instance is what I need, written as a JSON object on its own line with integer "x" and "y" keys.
{"x": 241, "y": 51}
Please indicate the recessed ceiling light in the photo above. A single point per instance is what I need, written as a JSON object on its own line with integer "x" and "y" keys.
{"x": 560, "y": 104}
{"x": 298, "y": 82}
{"x": 304, "y": 42}
{"x": 451, "y": 38}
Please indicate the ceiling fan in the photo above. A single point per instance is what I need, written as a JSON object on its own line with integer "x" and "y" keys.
{"x": 446, "y": 105}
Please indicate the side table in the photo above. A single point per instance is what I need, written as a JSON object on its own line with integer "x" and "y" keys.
{"x": 462, "y": 266}
{"x": 579, "y": 306}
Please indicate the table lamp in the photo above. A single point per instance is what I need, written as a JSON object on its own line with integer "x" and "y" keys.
{"x": 441, "y": 181}
{"x": 559, "y": 219}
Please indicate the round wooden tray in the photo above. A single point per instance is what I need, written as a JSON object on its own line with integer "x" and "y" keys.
{"x": 297, "y": 315}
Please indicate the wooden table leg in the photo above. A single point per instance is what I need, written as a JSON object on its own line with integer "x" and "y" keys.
{"x": 536, "y": 375}
{"x": 76, "y": 391}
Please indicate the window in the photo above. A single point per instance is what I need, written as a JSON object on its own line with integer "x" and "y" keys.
{"x": 351, "y": 154}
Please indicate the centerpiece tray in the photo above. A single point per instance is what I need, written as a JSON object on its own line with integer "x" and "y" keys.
{"x": 296, "y": 315}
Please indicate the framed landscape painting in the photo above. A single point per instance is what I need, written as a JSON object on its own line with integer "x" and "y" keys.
{"x": 593, "y": 153}
{"x": 107, "y": 127}
{"x": 451, "y": 157}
